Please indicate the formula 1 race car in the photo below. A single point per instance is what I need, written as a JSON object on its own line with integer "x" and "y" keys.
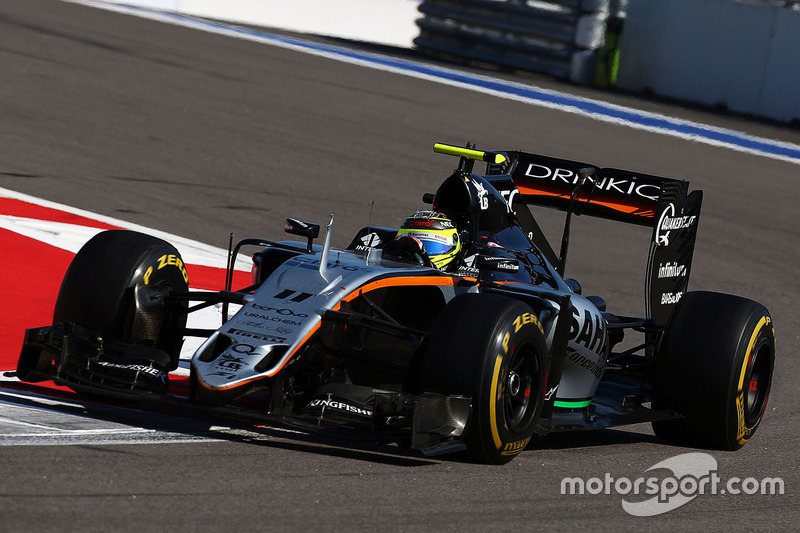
{"x": 455, "y": 332}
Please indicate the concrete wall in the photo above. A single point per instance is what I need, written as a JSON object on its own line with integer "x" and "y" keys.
{"x": 716, "y": 52}
{"x": 388, "y": 22}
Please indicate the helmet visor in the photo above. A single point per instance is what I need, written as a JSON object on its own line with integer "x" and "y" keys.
{"x": 434, "y": 248}
{"x": 435, "y": 243}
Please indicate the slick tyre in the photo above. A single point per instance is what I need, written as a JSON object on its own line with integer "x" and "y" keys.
{"x": 714, "y": 366}
{"x": 118, "y": 286}
{"x": 491, "y": 349}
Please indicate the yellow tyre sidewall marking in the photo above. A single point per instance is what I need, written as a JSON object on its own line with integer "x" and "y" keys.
{"x": 498, "y": 363}
{"x": 493, "y": 402}
{"x": 164, "y": 261}
{"x": 741, "y": 430}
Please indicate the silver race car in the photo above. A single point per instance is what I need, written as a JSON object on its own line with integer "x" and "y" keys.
{"x": 455, "y": 332}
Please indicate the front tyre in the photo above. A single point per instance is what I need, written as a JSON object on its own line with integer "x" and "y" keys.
{"x": 118, "y": 285}
{"x": 714, "y": 366}
{"x": 490, "y": 348}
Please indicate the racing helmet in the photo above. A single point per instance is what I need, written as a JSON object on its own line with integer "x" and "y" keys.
{"x": 437, "y": 234}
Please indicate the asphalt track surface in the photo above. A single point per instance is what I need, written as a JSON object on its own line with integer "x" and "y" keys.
{"x": 200, "y": 135}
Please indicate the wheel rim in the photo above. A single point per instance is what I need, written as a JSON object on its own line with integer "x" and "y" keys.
{"x": 519, "y": 392}
{"x": 757, "y": 383}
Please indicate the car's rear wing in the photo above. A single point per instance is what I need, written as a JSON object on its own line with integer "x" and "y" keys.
{"x": 610, "y": 193}
{"x": 663, "y": 204}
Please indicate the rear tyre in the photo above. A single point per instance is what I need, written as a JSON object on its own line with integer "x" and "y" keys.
{"x": 714, "y": 366}
{"x": 489, "y": 348}
{"x": 117, "y": 286}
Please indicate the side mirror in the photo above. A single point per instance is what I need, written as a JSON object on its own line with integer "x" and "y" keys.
{"x": 574, "y": 285}
{"x": 303, "y": 229}
{"x": 598, "y": 302}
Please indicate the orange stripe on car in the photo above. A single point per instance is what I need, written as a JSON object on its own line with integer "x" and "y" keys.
{"x": 633, "y": 208}
{"x": 445, "y": 281}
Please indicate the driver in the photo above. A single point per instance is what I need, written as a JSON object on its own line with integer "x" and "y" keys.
{"x": 430, "y": 235}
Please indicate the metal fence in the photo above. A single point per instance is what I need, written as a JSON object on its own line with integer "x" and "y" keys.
{"x": 561, "y": 38}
